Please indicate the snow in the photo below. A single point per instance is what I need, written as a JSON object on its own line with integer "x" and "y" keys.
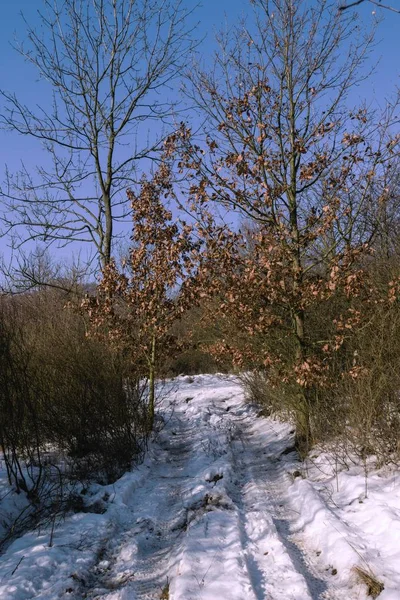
{"x": 219, "y": 510}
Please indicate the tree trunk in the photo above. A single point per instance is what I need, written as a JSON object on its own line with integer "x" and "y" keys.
{"x": 152, "y": 369}
{"x": 108, "y": 233}
{"x": 302, "y": 407}
{"x": 303, "y": 426}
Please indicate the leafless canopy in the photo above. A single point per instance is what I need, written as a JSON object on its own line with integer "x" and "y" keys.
{"x": 111, "y": 65}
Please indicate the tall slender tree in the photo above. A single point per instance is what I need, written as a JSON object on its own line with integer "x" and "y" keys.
{"x": 136, "y": 306}
{"x": 108, "y": 65}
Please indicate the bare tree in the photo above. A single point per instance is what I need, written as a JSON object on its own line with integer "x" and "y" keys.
{"x": 110, "y": 64}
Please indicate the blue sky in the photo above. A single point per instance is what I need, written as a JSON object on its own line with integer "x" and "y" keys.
{"x": 212, "y": 15}
{"x": 20, "y": 77}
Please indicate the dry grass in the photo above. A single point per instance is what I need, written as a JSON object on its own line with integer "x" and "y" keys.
{"x": 165, "y": 592}
{"x": 374, "y": 586}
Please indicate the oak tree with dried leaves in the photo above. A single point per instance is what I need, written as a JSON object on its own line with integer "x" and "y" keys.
{"x": 138, "y": 303}
{"x": 282, "y": 150}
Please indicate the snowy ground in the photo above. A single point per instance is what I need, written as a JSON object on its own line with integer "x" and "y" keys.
{"x": 220, "y": 510}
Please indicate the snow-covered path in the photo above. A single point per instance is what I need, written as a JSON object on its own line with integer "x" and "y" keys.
{"x": 212, "y": 514}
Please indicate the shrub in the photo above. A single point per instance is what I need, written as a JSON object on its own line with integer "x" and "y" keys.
{"x": 64, "y": 398}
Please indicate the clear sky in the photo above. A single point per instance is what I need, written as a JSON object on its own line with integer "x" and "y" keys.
{"x": 20, "y": 77}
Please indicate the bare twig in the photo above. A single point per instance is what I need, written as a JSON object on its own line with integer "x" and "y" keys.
{"x": 376, "y": 3}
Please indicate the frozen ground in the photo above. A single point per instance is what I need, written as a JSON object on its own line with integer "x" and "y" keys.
{"x": 220, "y": 510}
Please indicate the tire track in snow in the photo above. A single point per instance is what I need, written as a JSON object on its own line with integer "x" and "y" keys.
{"x": 279, "y": 567}
{"x": 227, "y": 540}
{"x": 212, "y": 563}
{"x": 137, "y": 560}
{"x": 209, "y": 511}
{"x": 165, "y": 512}
{"x": 255, "y": 571}
{"x": 247, "y": 557}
